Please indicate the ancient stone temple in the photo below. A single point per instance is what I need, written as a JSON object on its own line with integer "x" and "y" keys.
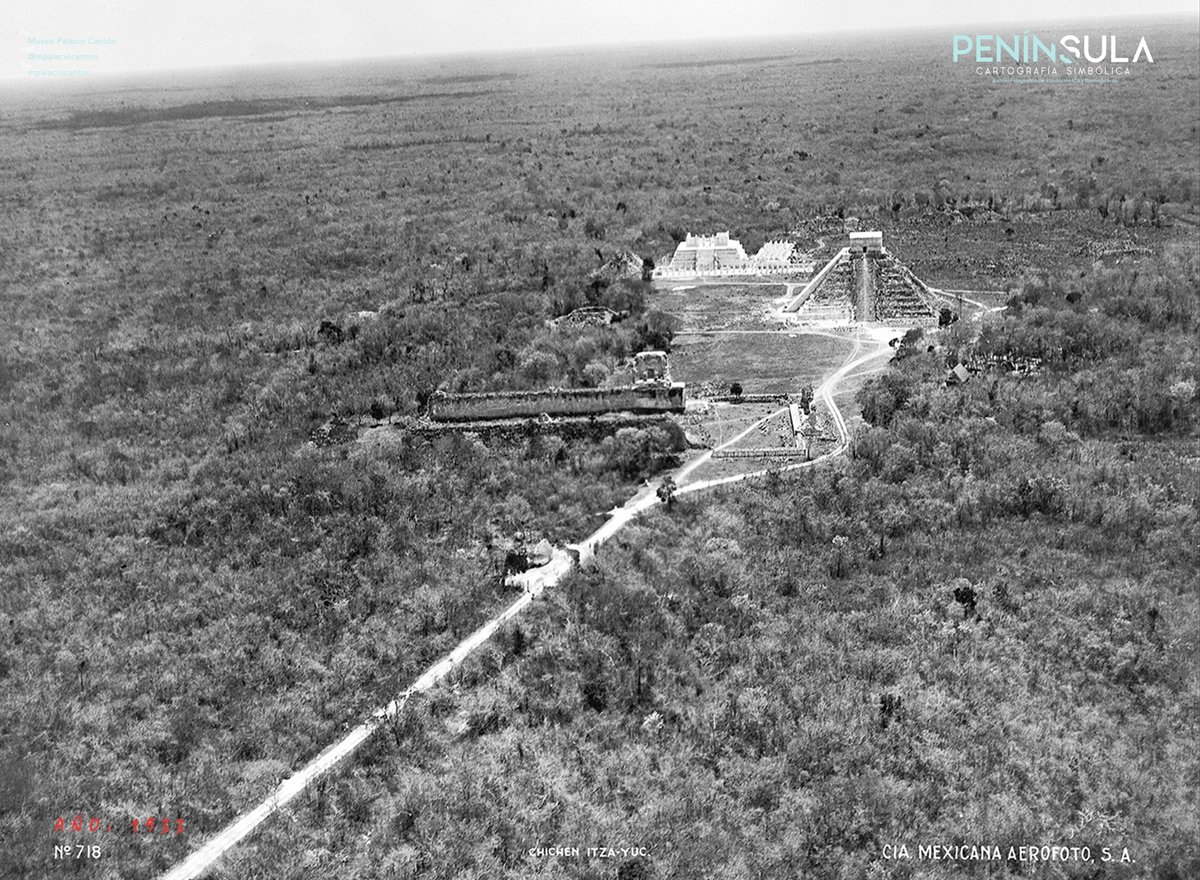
{"x": 651, "y": 367}
{"x": 707, "y": 253}
{"x": 774, "y": 255}
{"x": 865, "y": 282}
{"x": 720, "y": 255}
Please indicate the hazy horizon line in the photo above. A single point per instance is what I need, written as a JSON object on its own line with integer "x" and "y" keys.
{"x": 599, "y": 47}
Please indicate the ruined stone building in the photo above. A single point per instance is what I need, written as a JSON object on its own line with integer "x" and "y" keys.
{"x": 651, "y": 367}
{"x": 721, "y": 255}
{"x": 652, "y": 392}
{"x": 706, "y": 253}
{"x": 774, "y": 255}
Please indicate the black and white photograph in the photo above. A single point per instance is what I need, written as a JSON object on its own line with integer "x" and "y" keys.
{"x": 675, "y": 440}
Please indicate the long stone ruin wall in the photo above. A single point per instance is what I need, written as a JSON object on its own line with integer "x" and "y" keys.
{"x": 556, "y": 402}
{"x": 761, "y": 452}
{"x": 509, "y": 432}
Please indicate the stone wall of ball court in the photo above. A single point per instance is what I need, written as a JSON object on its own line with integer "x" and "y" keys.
{"x": 556, "y": 401}
{"x": 772, "y": 452}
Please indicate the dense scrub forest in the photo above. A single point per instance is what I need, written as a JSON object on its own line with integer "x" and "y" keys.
{"x": 190, "y": 626}
{"x": 978, "y": 621}
{"x": 980, "y": 629}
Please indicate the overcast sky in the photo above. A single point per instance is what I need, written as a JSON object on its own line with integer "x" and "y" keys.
{"x": 166, "y": 34}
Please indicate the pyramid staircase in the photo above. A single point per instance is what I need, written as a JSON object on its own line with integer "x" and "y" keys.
{"x": 832, "y": 298}
{"x": 865, "y": 287}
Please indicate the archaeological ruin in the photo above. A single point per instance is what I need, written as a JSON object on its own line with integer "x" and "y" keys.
{"x": 720, "y": 255}
{"x": 864, "y": 282}
{"x": 652, "y": 392}
{"x": 701, "y": 253}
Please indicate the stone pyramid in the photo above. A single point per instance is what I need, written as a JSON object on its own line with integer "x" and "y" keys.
{"x": 864, "y": 282}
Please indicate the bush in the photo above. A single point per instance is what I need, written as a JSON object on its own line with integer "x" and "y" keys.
{"x": 594, "y": 375}
{"x": 636, "y": 452}
{"x": 884, "y": 396}
{"x": 655, "y": 331}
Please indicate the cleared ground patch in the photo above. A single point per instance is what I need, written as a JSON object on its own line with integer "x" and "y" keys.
{"x": 719, "y": 423}
{"x": 766, "y": 362}
{"x": 701, "y": 306}
{"x": 769, "y": 362}
{"x": 723, "y": 468}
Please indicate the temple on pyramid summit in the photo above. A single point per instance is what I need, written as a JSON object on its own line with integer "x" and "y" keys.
{"x": 864, "y": 282}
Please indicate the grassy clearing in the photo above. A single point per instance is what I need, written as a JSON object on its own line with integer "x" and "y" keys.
{"x": 718, "y": 306}
{"x": 763, "y": 363}
{"x": 722, "y": 422}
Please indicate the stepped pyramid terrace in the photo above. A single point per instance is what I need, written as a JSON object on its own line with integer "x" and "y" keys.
{"x": 774, "y": 254}
{"x": 699, "y": 253}
{"x": 865, "y": 282}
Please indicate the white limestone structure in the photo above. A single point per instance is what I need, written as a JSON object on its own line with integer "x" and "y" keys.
{"x": 774, "y": 255}
{"x": 700, "y": 253}
{"x": 720, "y": 255}
{"x": 866, "y": 242}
